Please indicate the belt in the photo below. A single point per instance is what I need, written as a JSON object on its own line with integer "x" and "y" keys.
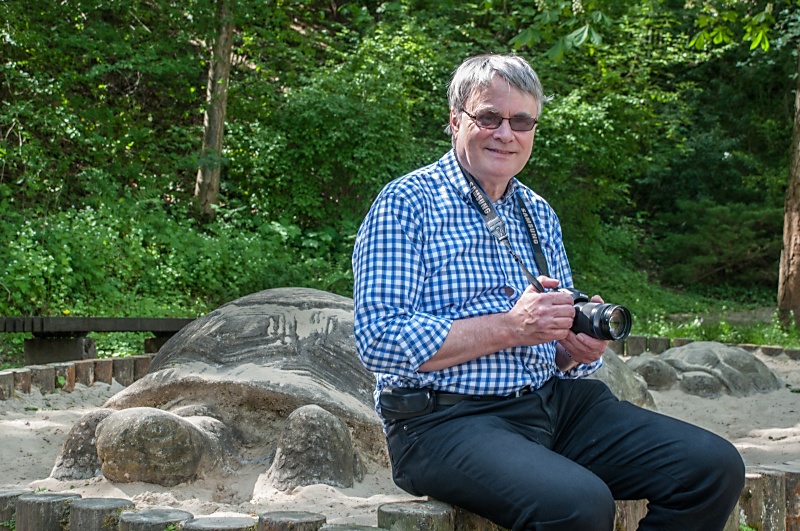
{"x": 444, "y": 399}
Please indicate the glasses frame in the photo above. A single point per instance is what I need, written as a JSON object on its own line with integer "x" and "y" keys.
{"x": 510, "y": 123}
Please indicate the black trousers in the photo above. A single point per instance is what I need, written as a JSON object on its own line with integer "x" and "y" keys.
{"x": 557, "y": 458}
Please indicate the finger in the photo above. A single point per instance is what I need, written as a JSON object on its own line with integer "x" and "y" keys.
{"x": 589, "y": 344}
{"x": 547, "y": 282}
{"x": 562, "y": 299}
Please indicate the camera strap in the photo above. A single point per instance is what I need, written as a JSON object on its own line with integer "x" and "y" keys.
{"x": 498, "y": 228}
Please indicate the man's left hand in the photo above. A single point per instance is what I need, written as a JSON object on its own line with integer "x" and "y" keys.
{"x": 584, "y": 348}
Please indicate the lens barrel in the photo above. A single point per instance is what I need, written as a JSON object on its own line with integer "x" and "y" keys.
{"x": 610, "y": 322}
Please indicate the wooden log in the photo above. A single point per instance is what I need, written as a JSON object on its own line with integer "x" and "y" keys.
{"x": 774, "y": 518}
{"x": 467, "y": 521}
{"x": 123, "y": 371}
{"x": 417, "y": 516}
{"x": 47, "y": 511}
{"x": 140, "y": 366}
{"x": 6, "y": 384}
{"x": 635, "y": 345}
{"x": 43, "y": 377}
{"x": 617, "y": 346}
{"x": 104, "y": 370}
{"x": 97, "y": 514}
{"x": 221, "y": 523}
{"x": 751, "y": 500}
{"x": 628, "y": 513}
{"x": 22, "y": 380}
{"x": 156, "y": 519}
{"x": 792, "y": 500}
{"x": 65, "y": 376}
{"x": 658, "y": 345}
{"x": 8, "y": 504}
{"x": 84, "y": 372}
{"x": 771, "y": 350}
{"x": 290, "y": 521}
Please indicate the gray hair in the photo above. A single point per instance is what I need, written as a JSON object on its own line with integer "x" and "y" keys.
{"x": 477, "y": 73}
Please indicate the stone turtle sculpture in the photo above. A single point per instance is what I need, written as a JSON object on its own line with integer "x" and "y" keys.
{"x": 219, "y": 393}
{"x": 270, "y": 380}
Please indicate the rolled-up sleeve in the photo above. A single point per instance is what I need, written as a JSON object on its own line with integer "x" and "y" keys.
{"x": 392, "y": 335}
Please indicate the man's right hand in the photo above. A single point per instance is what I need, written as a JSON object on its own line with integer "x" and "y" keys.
{"x": 541, "y": 317}
{"x": 535, "y": 318}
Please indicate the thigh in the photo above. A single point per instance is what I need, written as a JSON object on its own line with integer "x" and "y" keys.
{"x": 491, "y": 467}
{"x": 641, "y": 454}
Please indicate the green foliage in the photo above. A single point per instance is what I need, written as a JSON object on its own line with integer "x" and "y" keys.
{"x": 11, "y": 524}
{"x": 11, "y": 348}
{"x": 723, "y": 244}
{"x": 334, "y": 142}
{"x": 136, "y": 261}
{"x": 581, "y": 162}
{"x": 665, "y": 164}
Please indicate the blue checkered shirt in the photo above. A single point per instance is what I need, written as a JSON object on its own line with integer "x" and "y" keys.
{"x": 423, "y": 258}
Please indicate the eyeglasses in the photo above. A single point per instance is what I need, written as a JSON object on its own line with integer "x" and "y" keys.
{"x": 489, "y": 120}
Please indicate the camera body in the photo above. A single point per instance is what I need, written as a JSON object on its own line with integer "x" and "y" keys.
{"x": 609, "y": 322}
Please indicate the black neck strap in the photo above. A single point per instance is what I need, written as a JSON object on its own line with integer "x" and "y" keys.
{"x": 498, "y": 228}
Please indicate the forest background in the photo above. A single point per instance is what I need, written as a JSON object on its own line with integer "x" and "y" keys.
{"x": 665, "y": 150}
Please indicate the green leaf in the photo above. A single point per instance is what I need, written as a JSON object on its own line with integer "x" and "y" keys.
{"x": 699, "y": 40}
{"x": 756, "y": 40}
{"x": 557, "y": 51}
{"x": 578, "y": 37}
{"x": 526, "y": 38}
{"x": 595, "y": 37}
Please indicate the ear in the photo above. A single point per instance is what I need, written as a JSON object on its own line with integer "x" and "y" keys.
{"x": 454, "y": 120}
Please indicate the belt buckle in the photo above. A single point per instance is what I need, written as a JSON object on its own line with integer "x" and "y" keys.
{"x": 519, "y": 392}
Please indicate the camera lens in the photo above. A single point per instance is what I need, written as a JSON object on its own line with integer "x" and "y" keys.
{"x": 615, "y": 322}
{"x": 603, "y": 321}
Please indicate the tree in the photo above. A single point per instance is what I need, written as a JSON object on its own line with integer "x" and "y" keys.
{"x": 789, "y": 275}
{"x": 208, "y": 175}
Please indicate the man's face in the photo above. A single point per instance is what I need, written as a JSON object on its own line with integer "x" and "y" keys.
{"x": 494, "y": 156}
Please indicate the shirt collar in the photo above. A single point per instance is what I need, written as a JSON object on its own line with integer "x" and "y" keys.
{"x": 452, "y": 172}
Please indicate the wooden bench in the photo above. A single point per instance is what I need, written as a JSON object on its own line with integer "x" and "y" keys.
{"x": 57, "y": 339}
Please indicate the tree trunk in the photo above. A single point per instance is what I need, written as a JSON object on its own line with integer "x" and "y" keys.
{"x": 208, "y": 175}
{"x": 789, "y": 276}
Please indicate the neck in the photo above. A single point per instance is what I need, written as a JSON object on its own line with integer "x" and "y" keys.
{"x": 494, "y": 189}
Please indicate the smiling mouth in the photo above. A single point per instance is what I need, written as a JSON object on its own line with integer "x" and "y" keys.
{"x": 501, "y": 151}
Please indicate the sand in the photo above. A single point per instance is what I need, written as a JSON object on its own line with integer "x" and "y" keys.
{"x": 764, "y": 427}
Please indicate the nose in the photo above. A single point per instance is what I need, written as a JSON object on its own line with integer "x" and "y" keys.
{"x": 504, "y": 133}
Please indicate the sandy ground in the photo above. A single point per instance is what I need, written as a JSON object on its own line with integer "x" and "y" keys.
{"x": 765, "y": 428}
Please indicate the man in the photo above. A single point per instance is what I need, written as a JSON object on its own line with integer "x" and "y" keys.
{"x": 479, "y": 377}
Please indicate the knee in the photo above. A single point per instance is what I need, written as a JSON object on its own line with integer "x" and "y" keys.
{"x": 718, "y": 465}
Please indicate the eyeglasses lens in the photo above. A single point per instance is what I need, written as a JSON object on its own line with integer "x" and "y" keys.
{"x": 493, "y": 121}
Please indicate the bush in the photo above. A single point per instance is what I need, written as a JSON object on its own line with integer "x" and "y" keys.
{"x": 134, "y": 260}
{"x": 728, "y": 245}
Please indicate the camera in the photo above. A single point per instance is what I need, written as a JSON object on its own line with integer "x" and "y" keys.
{"x": 602, "y": 321}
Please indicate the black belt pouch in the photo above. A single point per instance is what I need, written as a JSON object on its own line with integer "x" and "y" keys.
{"x": 399, "y": 403}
